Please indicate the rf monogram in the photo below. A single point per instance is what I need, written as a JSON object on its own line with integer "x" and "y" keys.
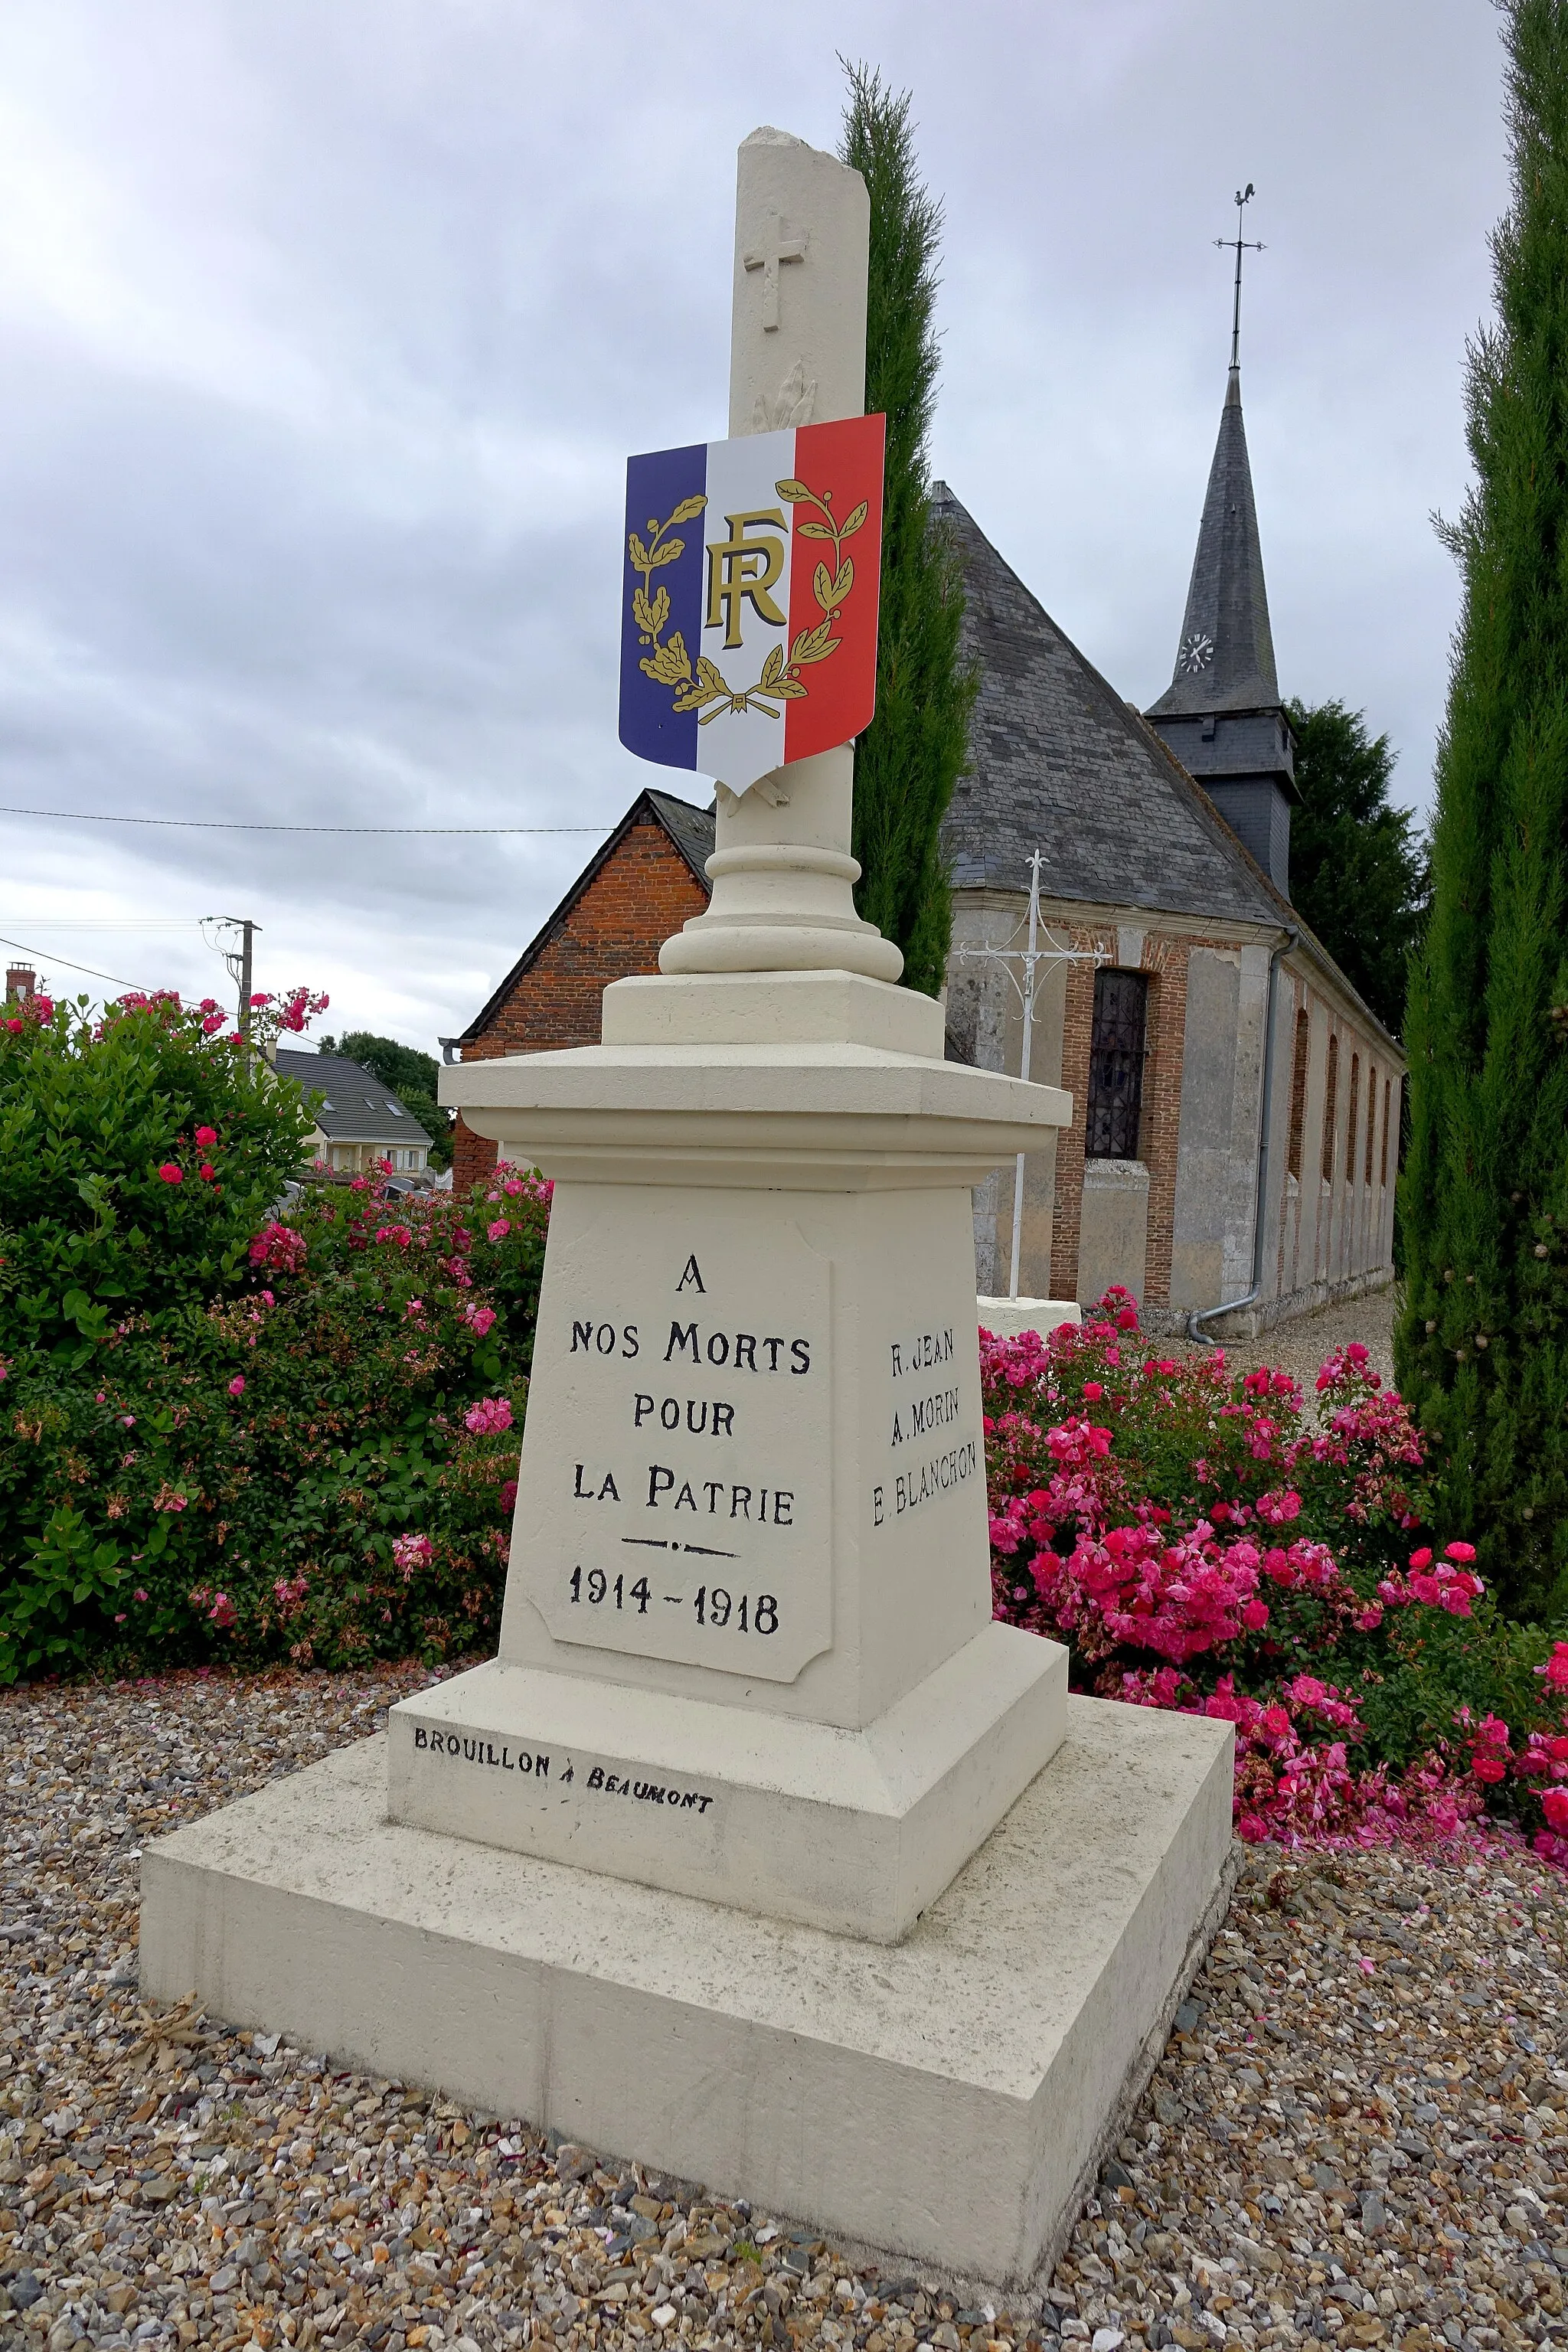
{"x": 739, "y": 567}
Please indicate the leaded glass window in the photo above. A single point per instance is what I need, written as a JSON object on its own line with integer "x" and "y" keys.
{"x": 1117, "y": 1051}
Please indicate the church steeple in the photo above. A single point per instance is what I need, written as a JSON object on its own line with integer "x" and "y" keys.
{"x": 1226, "y": 657}
{"x": 1222, "y": 714}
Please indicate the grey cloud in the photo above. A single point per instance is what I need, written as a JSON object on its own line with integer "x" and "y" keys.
{"x": 324, "y": 335}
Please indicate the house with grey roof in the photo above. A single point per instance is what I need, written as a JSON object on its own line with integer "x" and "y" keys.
{"x": 1235, "y": 1143}
{"x": 361, "y": 1125}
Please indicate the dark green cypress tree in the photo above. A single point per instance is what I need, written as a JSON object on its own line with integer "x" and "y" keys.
{"x": 1482, "y": 1347}
{"x": 914, "y": 751}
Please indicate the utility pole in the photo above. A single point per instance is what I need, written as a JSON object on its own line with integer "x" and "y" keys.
{"x": 240, "y": 961}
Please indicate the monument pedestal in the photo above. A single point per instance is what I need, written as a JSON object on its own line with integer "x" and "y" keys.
{"x": 947, "y": 2099}
{"x": 747, "y": 1650}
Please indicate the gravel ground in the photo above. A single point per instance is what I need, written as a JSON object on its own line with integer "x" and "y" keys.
{"x": 1303, "y": 1346}
{"x": 1359, "y": 2133}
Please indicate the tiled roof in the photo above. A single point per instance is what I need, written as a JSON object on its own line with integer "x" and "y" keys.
{"x": 691, "y": 829}
{"x": 358, "y": 1109}
{"x": 1060, "y": 763}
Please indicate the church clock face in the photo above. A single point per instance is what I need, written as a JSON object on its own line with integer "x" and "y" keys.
{"x": 1197, "y": 652}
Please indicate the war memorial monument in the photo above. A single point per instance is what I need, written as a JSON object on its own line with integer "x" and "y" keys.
{"x": 759, "y": 1852}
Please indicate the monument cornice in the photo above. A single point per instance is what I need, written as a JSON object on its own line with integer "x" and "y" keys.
{"x": 843, "y": 1118}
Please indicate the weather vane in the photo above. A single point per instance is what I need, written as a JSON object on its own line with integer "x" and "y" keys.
{"x": 1243, "y": 244}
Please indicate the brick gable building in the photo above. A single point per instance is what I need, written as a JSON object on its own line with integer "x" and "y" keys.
{"x": 643, "y": 884}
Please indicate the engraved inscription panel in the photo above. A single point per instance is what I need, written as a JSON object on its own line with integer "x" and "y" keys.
{"x": 934, "y": 1446}
{"x": 675, "y": 1500}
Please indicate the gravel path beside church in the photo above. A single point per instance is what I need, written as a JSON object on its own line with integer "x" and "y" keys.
{"x": 1303, "y": 1346}
{"x": 1358, "y": 2135}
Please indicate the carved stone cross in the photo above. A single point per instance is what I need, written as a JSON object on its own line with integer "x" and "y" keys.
{"x": 781, "y": 244}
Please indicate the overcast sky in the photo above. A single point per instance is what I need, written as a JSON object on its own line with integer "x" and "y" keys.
{"x": 325, "y": 332}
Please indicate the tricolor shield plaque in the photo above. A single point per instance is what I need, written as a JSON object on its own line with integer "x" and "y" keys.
{"x": 749, "y": 622}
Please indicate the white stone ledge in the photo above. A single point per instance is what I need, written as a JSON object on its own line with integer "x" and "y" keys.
{"x": 1005, "y": 1319}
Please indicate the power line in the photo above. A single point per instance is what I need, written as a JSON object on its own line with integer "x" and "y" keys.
{"x": 91, "y": 970}
{"x": 239, "y": 825}
{"x": 110, "y": 922}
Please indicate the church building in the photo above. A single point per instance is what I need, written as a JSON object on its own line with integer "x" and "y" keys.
{"x": 1237, "y": 1142}
{"x": 1236, "y": 1107}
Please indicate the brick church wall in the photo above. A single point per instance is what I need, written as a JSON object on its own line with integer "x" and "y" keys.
{"x": 643, "y": 892}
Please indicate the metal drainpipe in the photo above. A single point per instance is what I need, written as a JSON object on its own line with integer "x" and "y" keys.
{"x": 1195, "y": 1321}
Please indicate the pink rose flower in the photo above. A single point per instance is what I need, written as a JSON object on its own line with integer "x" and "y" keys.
{"x": 205, "y": 1137}
{"x": 490, "y": 1416}
{"x": 170, "y": 1174}
{"x": 411, "y": 1552}
{"x": 236, "y": 1386}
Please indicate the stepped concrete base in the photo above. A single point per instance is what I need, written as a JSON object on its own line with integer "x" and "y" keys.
{"x": 1006, "y": 1317}
{"x": 947, "y": 2098}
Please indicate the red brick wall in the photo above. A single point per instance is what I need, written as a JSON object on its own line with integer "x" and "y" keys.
{"x": 643, "y": 892}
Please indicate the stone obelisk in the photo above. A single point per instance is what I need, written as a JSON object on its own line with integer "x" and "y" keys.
{"x": 760, "y": 1851}
{"x": 781, "y": 870}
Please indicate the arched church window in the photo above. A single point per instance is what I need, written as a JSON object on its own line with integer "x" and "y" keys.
{"x": 1299, "y": 1092}
{"x": 1117, "y": 1050}
{"x": 1330, "y": 1107}
{"x": 1370, "y": 1118}
{"x": 1350, "y": 1120}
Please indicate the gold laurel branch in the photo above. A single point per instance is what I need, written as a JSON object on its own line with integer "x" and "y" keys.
{"x": 709, "y": 692}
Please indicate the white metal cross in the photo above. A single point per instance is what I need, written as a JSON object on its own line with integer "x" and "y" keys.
{"x": 783, "y": 244}
{"x": 1031, "y": 958}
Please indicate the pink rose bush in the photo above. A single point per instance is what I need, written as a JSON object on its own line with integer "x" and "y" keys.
{"x": 324, "y": 1446}
{"x": 1202, "y": 1542}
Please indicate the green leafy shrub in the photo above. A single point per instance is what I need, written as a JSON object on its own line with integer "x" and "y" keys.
{"x": 138, "y": 1155}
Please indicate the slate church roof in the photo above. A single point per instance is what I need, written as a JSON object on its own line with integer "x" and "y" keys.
{"x": 1059, "y": 761}
{"x": 1226, "y": 657}
{"x": 358, "y": 1109}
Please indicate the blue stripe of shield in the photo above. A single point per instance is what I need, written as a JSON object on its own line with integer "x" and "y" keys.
{"x": 661, "y": 604}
